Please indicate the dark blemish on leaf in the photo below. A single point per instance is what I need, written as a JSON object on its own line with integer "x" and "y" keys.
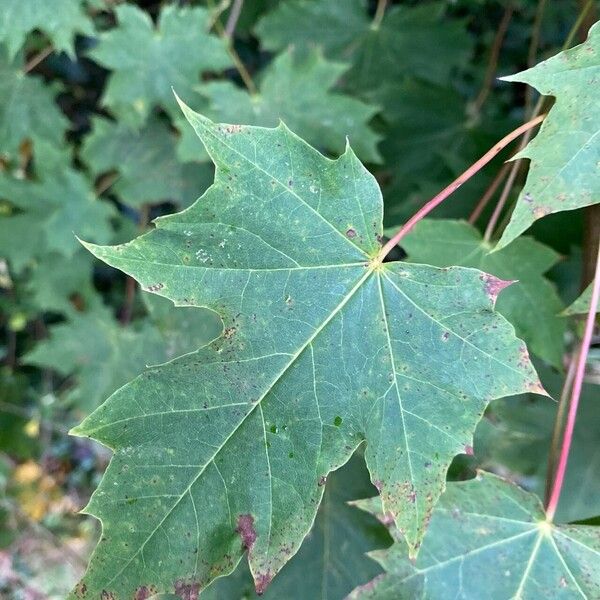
{"x": 351, "y": 233}
{"x": 81, "y": 590}
{"x": 229, "y": 332}
{"x": 322, "y": 481}
{"x": 105, "y": 595}
{"x": 291, "y": 455}
{"x": 155, "y": 287}
{"x": 262, "y": 582}
{"x": 493, "y": 285}
{"x": 445, "y": 336}
{"x": 273, "y": 429}
{"x": 187, "y": 591}
{"x": 412, "y": 496}
{"x": 291, "y": 183}
{"x": 528, "y": 197}
{"x": 469, "y": 450}
{"x": 144, "y": 592}
{"x": 245, "y": 527}
{"x": 337, "y": 421}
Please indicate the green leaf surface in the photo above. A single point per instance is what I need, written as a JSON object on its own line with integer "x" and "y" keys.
{"x": 323, "y": 347}
{"x": 296, "y": 88}
{"x": 515, "y": 438}
{"x": 581, "y": 305}
{"x": 117, "y": 353}
{"x": 489, "y": 539}
{"x": 401, "y": 45}
{"x": 531, "y": 303}
{"x": 115, "y": 147}
{"x": 564, "y": 173}
{"x": 331, "y": 561}
{"x": 48, "y": 214}
{"x": 60, "y": 20}
{"x": 148, "y": 61}
{"x": 27, "y": 109}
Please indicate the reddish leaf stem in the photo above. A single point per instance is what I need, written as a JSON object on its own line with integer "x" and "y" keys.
{"x": 575, "y": 395}
{"x": 448, "y": 190}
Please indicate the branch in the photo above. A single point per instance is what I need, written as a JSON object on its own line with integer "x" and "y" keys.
{"x": 575, "y": 396}
{"x": 37, "y": 59}
{"x": 234, "y": 15}
{"x": 448, "y": 190}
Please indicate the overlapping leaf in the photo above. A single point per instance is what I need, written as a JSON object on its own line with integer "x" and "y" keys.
{"x": 323, "y": 347}
{"x": 332, "y": 559}
{"x": 531, "y": 304}
{"x": 60, "y": 20}
{"x": 46, "y": 214}
{"x": 490, "y": 539}
{"x": 400, "y": 45}
{"x": 114, "y": 147}
{"x": 516, "y": 437}
{"x": 564, "y": 173}
{"x": 297, "y": 89}
{"x": 28, "y": 110}
{"x": 146, "y": 62}
{"x": 117, "y": 353}
{"x": 581, "y": 305}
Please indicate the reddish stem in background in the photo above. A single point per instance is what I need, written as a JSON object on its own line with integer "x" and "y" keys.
{"x": 575, "y": 395}
{"x": 489, "y": 193}
{"x": 474, "y": 168}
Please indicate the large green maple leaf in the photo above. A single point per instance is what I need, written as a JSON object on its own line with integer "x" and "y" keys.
{"x": 324, "y": 347}
{"x": 60, "y": 20}
{"x": 27, "y": 109}
{"x": 564, "y": 173}
{"x": 296, "y": 88}
{"x": 151, "y": 150}
{"x": 532, "y": 304}
{"x": 147, "y": 61}
{"x": 490, "y": 539}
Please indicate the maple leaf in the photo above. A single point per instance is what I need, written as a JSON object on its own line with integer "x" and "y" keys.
{"x": 296, "y": 88}
{"x": 146, "y": 62}
{"x": 118, "y": 353}
{"x": 486, "y": 521}
{"x": 400, "y": 45}
{"x": 563, "y": 173}
{"x": 60, "y": 20}
{"x": 115, "y": 147}
{"x": 531, "y": 304}
{"x": 331, "y": 561}
{"x": 46, "y": 213}
{"x": 27, "y": 109}
{"x": 581, "y": 305}
{"x": 323, "y": 348}
{"x": 517, "y": 434}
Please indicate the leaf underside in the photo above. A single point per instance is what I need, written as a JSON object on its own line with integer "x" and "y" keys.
{"x": 323, "y": 348}
{"x": 489, "y": 539}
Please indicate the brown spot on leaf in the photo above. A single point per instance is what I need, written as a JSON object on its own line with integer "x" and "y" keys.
{"x": 245, "y": 527}
{"x": 469, "y": 450}
{"x": 155, "y": 287}
{"x": 186, "y": 590}
{"x": 262, "y": 581}
{"x": 229, "y": 332}
{"x": 144, "y": 592}
{"x": 322, "y": 480}
{"x": 351, "y": 233}
{"x": 378, "y": 484}
{"x": 493, "y": 285}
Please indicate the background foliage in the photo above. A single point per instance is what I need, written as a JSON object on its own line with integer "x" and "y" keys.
{"x": 93, "y": 144}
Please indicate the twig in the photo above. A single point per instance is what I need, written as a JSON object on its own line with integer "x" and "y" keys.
{"x": 237, "y": 61}
{"x": 489, "y": 193}
{"x": 37, "y": 59}
{"x": 130, "y": 283}
{"x": 559, "y": 423}
{"x": 533, "y": 48}
{"x": 577, "y": 25}
{"x": 575, "y": 396}
{"x": 234, "y": 15}
{"x": 494, "y": 55}
{"x": 448, "y": 190}
{"x": 379, "y": 12}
